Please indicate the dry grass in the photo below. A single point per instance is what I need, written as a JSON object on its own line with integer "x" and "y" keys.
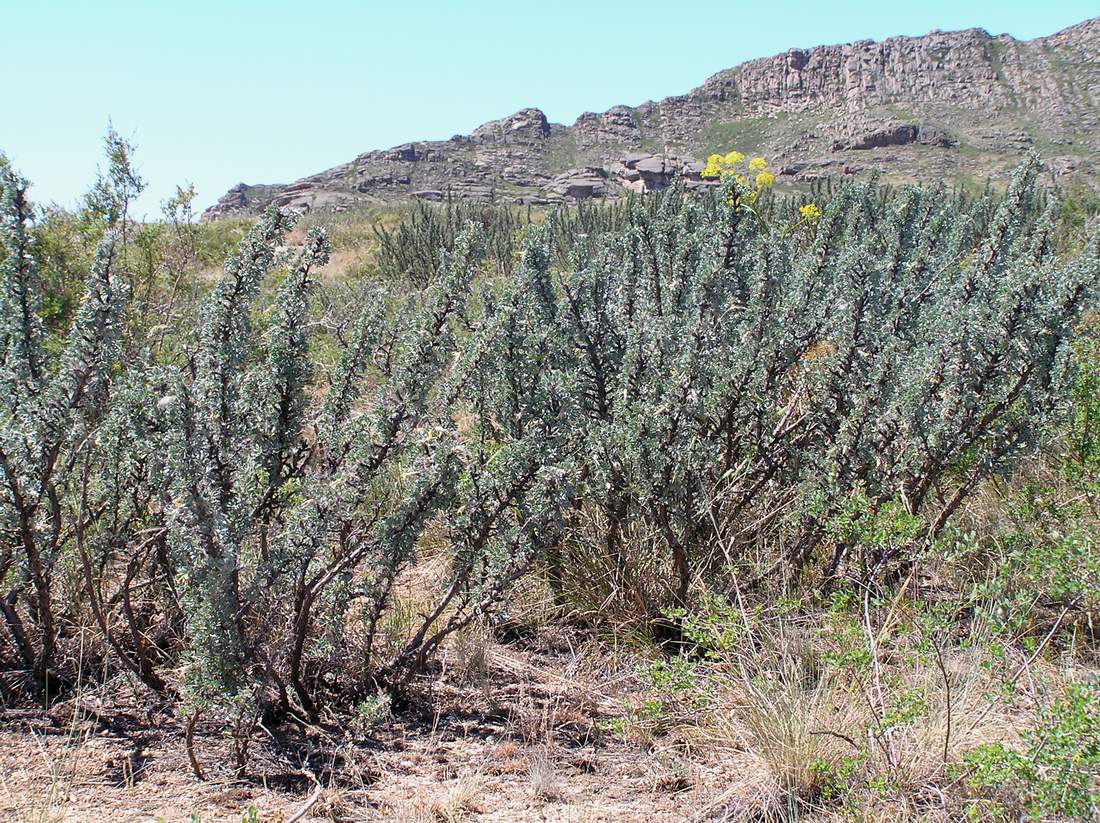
{"x": 451, "y": 802}
{"x": 546, "y": 782}
{"x": 61, "y": 764}
{"x": 469, "y": 649}
{"x": 798, "y": 742}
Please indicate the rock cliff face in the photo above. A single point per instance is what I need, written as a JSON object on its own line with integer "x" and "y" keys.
{"x": 954, "y": 105}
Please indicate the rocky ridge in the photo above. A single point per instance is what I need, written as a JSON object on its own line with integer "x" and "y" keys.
{"x": 951, "y": 105}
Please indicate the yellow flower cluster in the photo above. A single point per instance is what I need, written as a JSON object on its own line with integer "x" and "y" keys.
{"x": 732, "y": 166}
{"x": 810, "y": 212}
{"x": 721, "y": 166}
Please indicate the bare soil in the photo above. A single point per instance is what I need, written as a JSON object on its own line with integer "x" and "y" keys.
{"x": 509, "y": 733}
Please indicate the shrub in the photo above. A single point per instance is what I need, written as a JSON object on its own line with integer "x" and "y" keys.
{"x": 734, "y": 385}
{"x": 410, "y": 252}
{"x": 50, "y": 408}
{"x": 284, "y": 511}
{"x": 1057, "y": 772}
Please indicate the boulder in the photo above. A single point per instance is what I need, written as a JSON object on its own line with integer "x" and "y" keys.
{"x": 579, "y": 184}
{"x": 692, "y": 169}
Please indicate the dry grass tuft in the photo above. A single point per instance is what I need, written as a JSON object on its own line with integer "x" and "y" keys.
{"x": 452, "y": 802}
{"x": 546, "y": 784}
{"x": 469, "y": 652}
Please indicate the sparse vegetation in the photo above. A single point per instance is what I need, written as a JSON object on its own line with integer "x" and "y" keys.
{"x": 748, "y": 133}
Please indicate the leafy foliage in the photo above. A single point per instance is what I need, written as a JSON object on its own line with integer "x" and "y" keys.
{"x": 1057, "y": 773}
{"x": 739, "y": 385}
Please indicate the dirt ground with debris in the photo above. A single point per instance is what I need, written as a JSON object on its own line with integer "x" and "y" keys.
{"x": 523, "y": 737}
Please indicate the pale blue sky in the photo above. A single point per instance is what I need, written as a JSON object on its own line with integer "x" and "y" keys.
{"x": 219, "y": 92}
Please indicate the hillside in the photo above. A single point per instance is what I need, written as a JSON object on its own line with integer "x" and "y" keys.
{"x": 953, "y": 105}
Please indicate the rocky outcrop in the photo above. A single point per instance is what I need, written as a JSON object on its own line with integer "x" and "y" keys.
{"x": 939, "y": 67}
{"x": 525, "y": 126}
{"x": 945, "y": 105}
{"x": 616, "y": 125}
{"x": 642, "y": 172}
{"x": 895, "y": 134}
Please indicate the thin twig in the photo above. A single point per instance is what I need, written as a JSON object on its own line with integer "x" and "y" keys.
{"x": 190, "y": 741}
{"x": 310, "y": 803}
{"x": 947, "y": 697}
